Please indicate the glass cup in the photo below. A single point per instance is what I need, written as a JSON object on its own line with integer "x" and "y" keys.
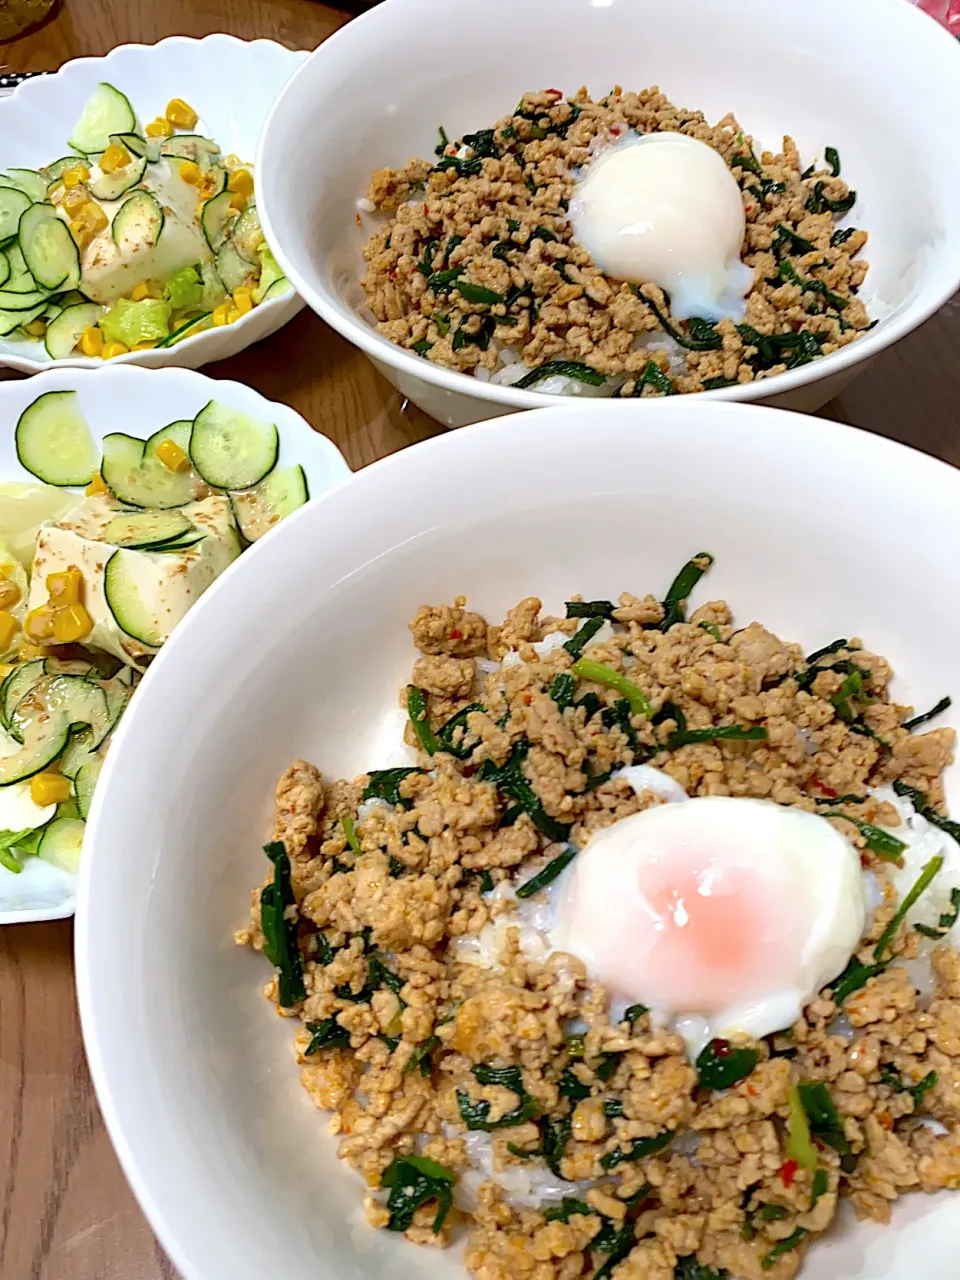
{"x": 17, "y": 15}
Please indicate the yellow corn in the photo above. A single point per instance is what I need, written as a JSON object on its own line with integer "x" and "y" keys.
{"x": 36, "y": 328}
{"x": 94, "y": 217}
{"x": 115, "y": 157}
{"x": 159, "y": 128}
{"x": 97, "y": 485}
{"x": 9, "y": 627}
{"x": 221, "y": 314}
{"x": 238, "y": 201}
{"x": 206, "y": 187}
{"x": 172, "y": 456}
{"x": 190, "y": 172}
{"x": 241, "y": 181}
{"x": 112, "y": 349}
{"x": 49, "y": 788}
{"x": 91, "y": 344}
{"x": 74, "y": 200}
{"x": 81, "y": 233}
{"x": 9, "y": 595}
{"x": 243, "y": 299}
{"x": 73, "y": 176}
{"x": 147, "y": 345}
{"x": 140, "y": 291}
{"x": 64, "y": 588}
{"x": 5, "y": 669}
{"x": 71, "y": 624}
{"x": 181, "y": 114}
{"x": 38, "y": 624}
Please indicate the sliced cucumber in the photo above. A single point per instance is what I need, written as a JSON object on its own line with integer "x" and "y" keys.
{"x": 247, "y": 234}
{"x": 4, "y": 269}
{"x": 178, "y": 432}
{"x": 79, "y": 751}
{"x": 257, "y": 510}
{"x": 182, "y": 544}
{"x": 117, "y": 691}
{"x": 69, "y": 667}
{"x": 66, "y": 329}
{"x": 191, "y": 146}
{"x": 78, "y": 700}
{"x": 146, "y": 148}
{"x": 54, "y": 442}
{"x": 230, "y": 450}
{"x": 21, "y": 281}
{"x": 199, "y": 324}
{"x": 215, "y": 217}
{"x": 84, "y": 783}
{"x": 53, "y": 171}
{"x": 10, "y": 301}
{"x": 30, "y": 181}
{"x": 14, "y": 203}
{"x": 138, "y": 223}
{"x": 279, "y": 289}
{"x": 213, "y": 290}
{"x": 125, "y": 601}
{"x": 107, "y": 111}
{"x": 143, "y": 482}
{"x": 111, "y": 186}
{"x": 62, "y": 842}
{"x": 48, "y": 248}
{"x": 143, "y": 529}
{"x": 12, "y": 320}
{"x": 233, "y": 269}
{"x": 16, "y": 686}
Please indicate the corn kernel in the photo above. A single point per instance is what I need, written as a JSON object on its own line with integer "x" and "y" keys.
{"x": 38, "y": 624}
{"x": 91, "y": 344}
{"x": 97, "y": 485}
{"x": 148, "y": 344}
{"x": 113, "y": 349}
{"x": 73, "y": 201}
{"x": 64, "y": 588}
{"x": 94, "y": 217}
{"x": 115, "y": 157}
{"x": 241, "y": 180}
{"x": 243, "y": 299}
{"x": 172, "y": 456}
{"x": 233, "y": 315}
{"x": 5, "y": 669}
{"x": 238, "y": 201}
{"x": 81, "y": 233}
{"x": 159, "y": 128}
{"x": 49, "y": 788}
{"x": 10, "y": 594}
{"x": 181, "y": 114}
{"x": 221, "y": 314}
{"x": 36, "y": 328}
{"x": 206, "y": 187}
{"x": 71, "y": 624}
{"x": 9, "y": 627}
{"x": 73, "y": 176}
{"x": 190, "y": 172}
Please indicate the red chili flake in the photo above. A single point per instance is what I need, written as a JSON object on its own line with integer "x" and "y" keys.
{"x": 456, "y": 635}
{"x": 822, "y": 786}
{"x": 426, "y": 210}
{"x": 788, "y": 1171}
{"x": 864, "y": 860}
{"x": 721, "y": 1048}
{"x": 357, "y": 218}
{"x": 527, "y": 698}
{"x": 553, "y": 93}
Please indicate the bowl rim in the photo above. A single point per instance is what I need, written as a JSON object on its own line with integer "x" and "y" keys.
{"x": 409, "y": 365}
{"x": 34, "y": 88}
{"x": 97, "y": 1012}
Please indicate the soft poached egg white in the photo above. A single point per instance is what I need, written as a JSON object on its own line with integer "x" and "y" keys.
{"x": 664, "y": 208}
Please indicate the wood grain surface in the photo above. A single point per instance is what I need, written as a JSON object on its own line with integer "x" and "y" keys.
{"x": 65, "y": 1210}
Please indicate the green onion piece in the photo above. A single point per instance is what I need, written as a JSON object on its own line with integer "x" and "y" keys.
{"x": 576, "y": 644}
{"x": 821, "y": 1183}
{"x": 714, "y": 384}
{"x": 878, "y": 841}
{"x": 562, "y": 690}
{"x": 682, "y": 587}
{"x": 384, "y": 784}
{"x": 947, "y": 919}
{"x": 923, "y": 883}
{"x": 712, "y": 629}
{"x": 653, "y": 376}
{"x": 596, "y": 672}
{"x": 798, "y": 242}
{"x": 548, "y": 873}
{"x": 916, "y": 721}
{"x": 833, "y": 160}
{"x": 639, "y": 1150}
{"x": 799, "y": 1143}
{"x": 327, "y": 1034}
{"x": 564, "y": 369}
{"x": 783, "y": 1246}
{"x": 834, "y": 647}
{"x": 719, "y": 1065}
{"x": 421, "y": 1056}
{"x": 445, "y": 733}
{"x": 590, "y": 608}
{"x": 565, "y": 1210}
{"x": 854, "y": 976}
{"x": 702, "y": 336}
{"x": 350, "y": 834}
{"x": 417, "y": 711}
{"x": 281, "y": 946}
{"x": 718, "y": 732}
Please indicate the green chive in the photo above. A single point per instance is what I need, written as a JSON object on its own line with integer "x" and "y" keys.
{"x": 610, "y": 679}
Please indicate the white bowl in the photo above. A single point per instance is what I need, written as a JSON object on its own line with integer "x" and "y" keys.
{"x": 139, "y": 403}
{"x": 232, "y": 84}
{"x": 194, "y": 1071}
{"x": 375, "y": 92}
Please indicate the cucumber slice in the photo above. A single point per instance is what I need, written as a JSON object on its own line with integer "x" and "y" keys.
{"x": 69, "y": 667}
{"x": 10, "y": 301}
{"x": 75, "y": 699}
{"x": 138, "y": 223}
{"x": 111, "y": 186}
{"x": 53, "y": 171}
{"x": 62, "y": 842}
{"x": 107, "y": 111}
{"x": 84, "y": 783}
{"x": 147, "y": 148}
{"x": 30, "y": 181}
{"x": 199, "y": 324}
{"x": 79, "y": 751}
{"x": 215, "y": 216}
{"x": 279, "y": 289}
{"x": 143, "y": 482}
{"x": 117, "y": 691}
{"x": 124, "y": 600}
{"x": 230, "y": 450}
{"x": 12, "y": 320}
{"x": 54, "y": 442}
{"x": 16, "y": 686}
{"x": 178, "y": 432}
{"x": 257, "y": 510}
{"x": 4, "y": 269}
{"x": 213, "y": 290}
{"x": 191, "y": 146}
{"x": 146, "y": 529}
{"x": 21, "y": 281}
{"x": 247, "y": 234}
{"x": 66, "y": 329}
{"x": 14, "y": 203}
{"x": 233, "y": 269}
{"x": 182, "y": 544}
{"x": 48, "y": 248}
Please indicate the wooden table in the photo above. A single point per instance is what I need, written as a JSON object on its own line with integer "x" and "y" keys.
{"x": 65, "y": 1210}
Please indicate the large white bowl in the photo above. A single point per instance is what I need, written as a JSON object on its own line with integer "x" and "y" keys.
{"x": 375, "y": 92}
{"x": 819, "y": 530}
{"x": 232, "y": 84}
{"x": 131, "y": 400}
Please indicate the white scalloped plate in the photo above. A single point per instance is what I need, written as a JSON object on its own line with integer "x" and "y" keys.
{"x": 231, "y": 82}
{"x": 138, "y": 402}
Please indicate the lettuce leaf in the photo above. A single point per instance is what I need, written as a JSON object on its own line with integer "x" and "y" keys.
{"x": 132, "y": 322}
